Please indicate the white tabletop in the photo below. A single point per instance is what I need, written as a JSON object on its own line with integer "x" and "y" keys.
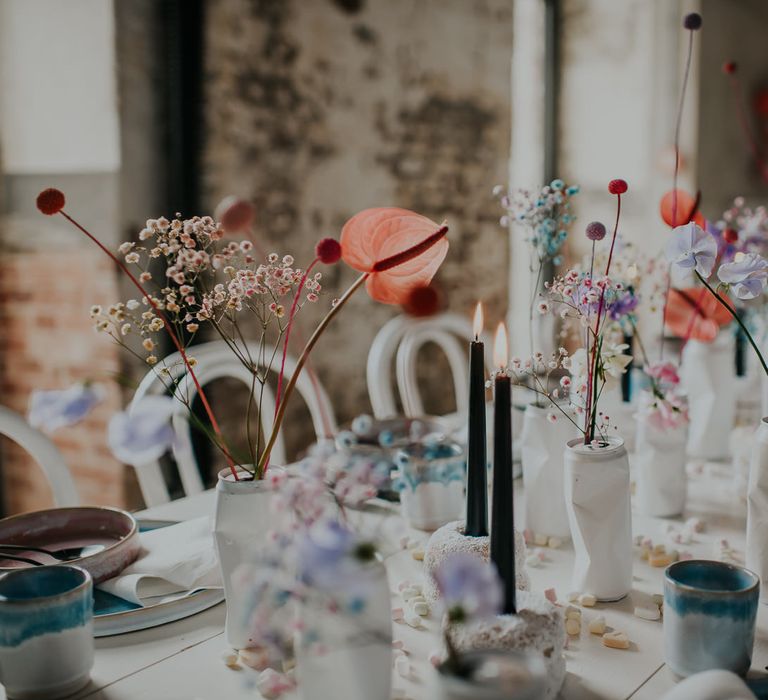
{"x": 182, "y": 660}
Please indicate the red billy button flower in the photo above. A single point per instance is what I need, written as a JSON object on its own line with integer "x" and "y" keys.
{"x": 730, "y": 67}
{"x": 730, "y": 236}
{"x": 50, "y": 201}
{"x": 328, "y": 251}
{"x": 595, "y": 231}
{"x": 423, "y": 301}
{"x": 692, "y": 21}
{"x": 617, "y": 186}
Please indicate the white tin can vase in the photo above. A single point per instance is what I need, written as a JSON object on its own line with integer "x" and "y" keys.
{"x": 597, "y": 496}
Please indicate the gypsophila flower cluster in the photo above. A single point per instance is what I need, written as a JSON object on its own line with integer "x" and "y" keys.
{"x": 575, "y": 297}
{"x": 546, "y": 215}
{"x": 205, "y": 280}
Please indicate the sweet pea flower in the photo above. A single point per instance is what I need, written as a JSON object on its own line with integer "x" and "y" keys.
{"x": 470, "y": 588}
{"x": 144, "y": 433}
{"x": 664, "y": 372}
{"x": 747, "y": 277}
{"x": 692, "y": 247}
{"x": 51, "y": 410}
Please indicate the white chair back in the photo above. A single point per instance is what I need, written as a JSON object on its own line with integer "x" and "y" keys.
{"x": 400, "y": 340}
{"x": 44, "y": 452}
{"x": 216, "y": 361}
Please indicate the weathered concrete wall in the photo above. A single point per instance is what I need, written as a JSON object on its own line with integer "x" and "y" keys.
{"x": 316, "y": 110}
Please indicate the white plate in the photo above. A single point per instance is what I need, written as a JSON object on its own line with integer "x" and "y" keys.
{"x": 132, "y": 620}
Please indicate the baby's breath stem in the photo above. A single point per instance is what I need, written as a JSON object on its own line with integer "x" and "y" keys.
{"x": 170, "y": 332}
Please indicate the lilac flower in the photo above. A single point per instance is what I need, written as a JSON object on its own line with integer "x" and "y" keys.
{"x": 51, "y": 410}
{"x": 143, "y": 434}
{"x": 692, "y": 247}
{"x": 470, "y": 588}
{"x": 747, "y": 277}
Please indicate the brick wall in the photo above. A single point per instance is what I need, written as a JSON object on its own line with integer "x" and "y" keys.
{"x": 48, "y": 343}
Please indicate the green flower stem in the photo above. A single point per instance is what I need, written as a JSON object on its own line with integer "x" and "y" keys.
{"x": 738, "y": 320}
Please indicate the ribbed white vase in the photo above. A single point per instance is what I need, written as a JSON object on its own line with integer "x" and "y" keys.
{"x": 597, "y": 497}
{"x": 659, "y": 461}
{"x": 708, "y": 377}
{"x": 757, "y": 508}
{"x": 345, "y": 654}
{"x": 542, "y": 447}
{"x": 241, "y": 518}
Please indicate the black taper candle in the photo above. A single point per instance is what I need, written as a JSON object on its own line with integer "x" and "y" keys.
{"x": 477, "y": 461}
{"x": 626, "y": 378}
{"x": 503, "y": 511}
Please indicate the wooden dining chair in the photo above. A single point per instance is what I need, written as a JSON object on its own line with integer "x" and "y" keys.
{"x": 44, "y": 452}
{"x": 216, "y": 361}
{"x": 399, "y": 342}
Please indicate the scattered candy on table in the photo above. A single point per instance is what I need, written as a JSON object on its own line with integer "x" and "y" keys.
{"x": 616, "y": 640}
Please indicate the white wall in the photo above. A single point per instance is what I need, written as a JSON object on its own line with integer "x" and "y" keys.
{"x": 58, "y": 96}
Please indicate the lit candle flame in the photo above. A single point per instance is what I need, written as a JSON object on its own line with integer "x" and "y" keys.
{"x": 500, "y": 347}
{"x": 477, "y": 324}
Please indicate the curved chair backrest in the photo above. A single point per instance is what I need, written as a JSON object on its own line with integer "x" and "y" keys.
{"x": 44, "y": 452}
{"x": 215, "y": 361}
{"x": 400, "y": 340}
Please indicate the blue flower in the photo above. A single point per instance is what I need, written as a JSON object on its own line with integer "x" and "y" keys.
{"x": 470, "y": 587}
{"x": 51, "y": 410}
{"x": 145, "y": 433}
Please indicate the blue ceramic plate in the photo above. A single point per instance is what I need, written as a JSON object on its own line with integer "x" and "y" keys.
{"x": 113, "y": 615}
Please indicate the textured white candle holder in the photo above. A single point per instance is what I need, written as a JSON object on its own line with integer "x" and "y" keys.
{"x": 450, "y": 539}
{"x": 538, "y": 627}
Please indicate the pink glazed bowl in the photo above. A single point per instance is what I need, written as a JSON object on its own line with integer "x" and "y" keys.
{"x": 113, "y": 530}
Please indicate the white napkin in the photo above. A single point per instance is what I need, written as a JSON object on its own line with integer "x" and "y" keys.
{"x": 174, "y": 562}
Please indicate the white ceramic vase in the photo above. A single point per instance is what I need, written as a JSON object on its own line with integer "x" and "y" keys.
{"x": 757, "y": 508}
{"x": 659, "y": 462}
{"x": 708, "y": 377}
{"x": 543, "y": 471}
{"x": 347, "y": 654}
{"x": 242, "y": 517}
{"x": 597, "y": 496}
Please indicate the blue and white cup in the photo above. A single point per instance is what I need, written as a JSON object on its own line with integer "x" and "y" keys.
{"x": 709, "y": 616}
{"x": 430, "y": 479}
{"x": 46, "y": 632}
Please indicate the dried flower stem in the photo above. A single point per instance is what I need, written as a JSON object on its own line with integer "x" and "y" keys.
{"x": 589, "y": 432}
{"x": 264, "y": 459}
{"x": 171, "y": 334}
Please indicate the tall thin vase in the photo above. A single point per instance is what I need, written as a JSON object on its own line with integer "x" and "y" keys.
{"x": 597, "y": 497}
{"x": 241, "y": 519}
{"x": 708, "y": 376}
{"x": 544, "y": 471}
{"x": 757, "y": 508}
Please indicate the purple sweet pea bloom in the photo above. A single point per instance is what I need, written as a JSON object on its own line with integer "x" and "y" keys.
{"x": 51, "y": 410}
{"x": 692, "y": 247}
{"x": 144, "y": 434}
{"x": 747, "y": 277}
{"x": 471, "y": 585}
{"x": 625, "y": 303}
